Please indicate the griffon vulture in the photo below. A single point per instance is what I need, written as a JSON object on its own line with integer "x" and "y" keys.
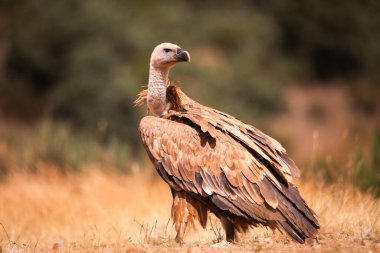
{"x": 215, "y": 162}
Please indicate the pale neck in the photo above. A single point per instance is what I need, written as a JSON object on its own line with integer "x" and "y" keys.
{"x": 158, "y": 82}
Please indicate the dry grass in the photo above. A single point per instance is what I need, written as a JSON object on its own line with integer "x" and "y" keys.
{"x": 95, "y": 211}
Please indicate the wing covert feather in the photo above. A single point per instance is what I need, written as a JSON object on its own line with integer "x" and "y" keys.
{"x": 262, "y": 145}
{"x": 223, "y": 168}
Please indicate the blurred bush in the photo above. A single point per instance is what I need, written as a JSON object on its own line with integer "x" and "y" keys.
{"x": 59, "y": 146}
{"x": 368, "y": 173}
{"x": 358, "y": 167}
{"x": 337, "y": 38}
{"x": 83, "y": 62}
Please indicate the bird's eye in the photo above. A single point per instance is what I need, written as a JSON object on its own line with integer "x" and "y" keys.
{"x": 167, "y": 50}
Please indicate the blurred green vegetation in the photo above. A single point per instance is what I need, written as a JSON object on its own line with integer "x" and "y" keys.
{"x": 84, "y": 61}
{"x": 59, "y": 146}
{"x": 368, "y": 173}
{"x": 336, "y": 37}
{"x": 360, "y": 168}
{"x": 79, "y": 64}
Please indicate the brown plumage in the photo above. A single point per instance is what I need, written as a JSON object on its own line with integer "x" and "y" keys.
{"x": 213, "y": 161}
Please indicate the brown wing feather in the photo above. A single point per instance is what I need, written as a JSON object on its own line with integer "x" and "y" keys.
{"x": 219, "y": 164}
{"x": 265, "y": 148}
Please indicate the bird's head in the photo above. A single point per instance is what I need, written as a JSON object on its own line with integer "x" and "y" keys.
{"x": 166, "y": 55}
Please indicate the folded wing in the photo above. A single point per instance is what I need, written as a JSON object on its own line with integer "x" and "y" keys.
{"x": 234, "y": 169}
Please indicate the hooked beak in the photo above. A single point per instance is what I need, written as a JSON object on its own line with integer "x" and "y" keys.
{"x": 182, "y": 55}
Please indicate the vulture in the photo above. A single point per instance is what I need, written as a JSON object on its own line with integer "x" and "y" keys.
{"x": 214, "y": 162}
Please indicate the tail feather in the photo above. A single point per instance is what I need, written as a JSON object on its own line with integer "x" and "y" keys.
{"x": 287, "y": 227}
{"x": 298, "y": 219}
{"x": 298, "y": 224}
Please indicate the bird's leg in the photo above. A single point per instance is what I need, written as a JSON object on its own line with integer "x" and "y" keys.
{"x": 180, "y": 233}
{"x": 181, "y": 215}
{"x": 229, "y": 227}
{"x": 185, "y": 211}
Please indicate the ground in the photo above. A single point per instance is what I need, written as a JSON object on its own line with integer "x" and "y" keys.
{"x": 98, "y": 211}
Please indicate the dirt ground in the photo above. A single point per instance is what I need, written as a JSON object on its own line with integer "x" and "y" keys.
{"x": 95, "y": 211}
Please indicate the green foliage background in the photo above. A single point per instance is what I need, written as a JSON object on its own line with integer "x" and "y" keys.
{"x": 83, "y": 62}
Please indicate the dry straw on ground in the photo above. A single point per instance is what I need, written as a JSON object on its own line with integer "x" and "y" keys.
{"x": 95, "y": 211}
